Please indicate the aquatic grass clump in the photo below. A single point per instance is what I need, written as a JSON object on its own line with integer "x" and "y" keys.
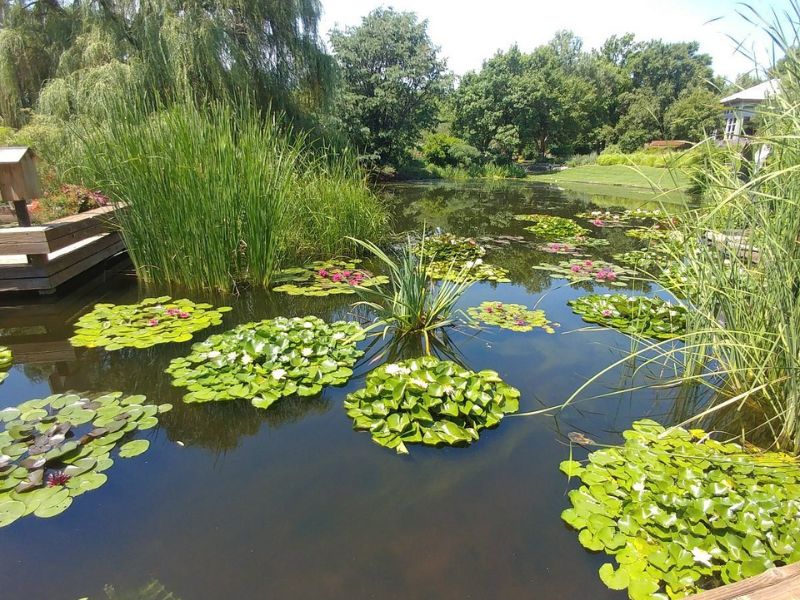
{"x": 429, "y": 401}
{"x": 5, "y": 362}
{"x": 266, "y": 361}
{"x": 219, "y": 196}
{"x": 412, "y": 303}
{"x": 152, "y": 321}
{"x": 54, "y": 449}
{"x": 681, "y": 512}
{"x": 325, "y": 278}
{"x": 515, "y": 317}
{"x": 635, "y": 315}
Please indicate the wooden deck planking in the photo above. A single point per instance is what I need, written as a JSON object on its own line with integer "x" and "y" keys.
{"x": 782, "y": 583}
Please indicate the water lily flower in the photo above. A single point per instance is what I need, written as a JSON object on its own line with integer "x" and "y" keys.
{"x": 214, "y": 354}
{"x": 183, "y": 315}
{"x": 587, "y": 263}
{"x": 575, "y": 268}
{"x": 231, "y": 356}
{"x": 57, "y": 478}
{"x": 339, "y": 335}
{"x": 419, "y": 382}
{"x": 152, "y": 322}
{"x": 598, "y": 223}
{"x": 607, "y": 312}
{"x": 246, "y": 359}
{"x": 278, "y": 374}
{"x": 347, "y": 273}
{"x": 322, "y": 273}
{"x": 395, "y": 369}
{"x": 307, "y": 352}
{"x": 701, "y": 556}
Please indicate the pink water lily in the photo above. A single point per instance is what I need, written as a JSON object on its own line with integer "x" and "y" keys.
{"x": 607, "y": 313}
{"x": 152, "y": 322}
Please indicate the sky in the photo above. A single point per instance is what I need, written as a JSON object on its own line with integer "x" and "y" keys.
{"x": 469, "y": 31}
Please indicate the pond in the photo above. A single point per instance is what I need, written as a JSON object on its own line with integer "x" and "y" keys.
{"x": 231, "y": 501}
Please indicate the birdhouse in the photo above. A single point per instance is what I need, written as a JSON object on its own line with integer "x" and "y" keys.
{"x": 19, "y": 180}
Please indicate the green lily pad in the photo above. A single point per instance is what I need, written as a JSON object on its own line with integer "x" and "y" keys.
{"x": 552, "y": 227}
{"x": 264, "y": 361}
{"x": 635, "y": 315}
{"x": 429, "y": 401}
{"x": 5, "y": 362}
{"x": 325, "y": 278}
{"x": 515, "y": 317}
{"x": 133, "y": 448}
{"x": 152, "y": 321}
{"x": 10, "y": 511}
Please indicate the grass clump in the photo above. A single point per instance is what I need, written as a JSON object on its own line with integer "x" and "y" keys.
{"x": 219, "y": 196}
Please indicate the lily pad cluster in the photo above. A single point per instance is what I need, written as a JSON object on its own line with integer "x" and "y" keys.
{"x": 265, "y": 361}
{"x": 552, "y": 227}
{"x": 515, "y": 317}
{"x": 581, "y": 241}
{"x": 561, "y": 248}
{"x": 429, "y": 401}
{"x": 325, "y": 278}
{"x": 448, "y": 248}
{"x": 646, "y": 261}
{"x": 152, "y": 321}
{"x": 473, "y": 270}
{"x": 636, "y": 315}
{"x": 588, "y": 270}
{"x": 5, "y": 362}
{"x": 655, "y": 232}
{"x": 681, "y": 512}
{"x": 55, "y": 449}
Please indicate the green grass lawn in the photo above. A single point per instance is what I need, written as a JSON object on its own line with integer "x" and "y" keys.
{"x": 645, "y": 178}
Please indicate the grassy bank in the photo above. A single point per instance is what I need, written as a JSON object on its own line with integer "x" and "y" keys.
{"x": 641, "y": 178}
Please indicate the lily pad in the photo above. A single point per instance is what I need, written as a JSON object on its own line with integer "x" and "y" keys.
{"x": 325, "y": 278}
{"x": 515, "y": 317}
{"x": 262, "y": 362}
{"x": 150, "y": 322}
{"x": 681, "y": 512}
{"x": 588, "y": 270}
{"x": 5, "y": 362}
{"x": 58, "y": 446}
{"x": 429, "y": 401}
{"x": 636, "y": 315}
{"x": 133, "y": 448}
{"x": 552, "y": 227}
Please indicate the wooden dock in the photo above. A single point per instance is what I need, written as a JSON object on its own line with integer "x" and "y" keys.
{"x": 782, "y": 583}
{"x": 42, "y": 258}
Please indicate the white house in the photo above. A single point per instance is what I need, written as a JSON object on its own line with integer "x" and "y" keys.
{"x": 740, "y": 108}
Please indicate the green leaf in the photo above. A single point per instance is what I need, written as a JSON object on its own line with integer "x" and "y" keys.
{"x": 616, "y": 580}
{"x": 133, "y": 448}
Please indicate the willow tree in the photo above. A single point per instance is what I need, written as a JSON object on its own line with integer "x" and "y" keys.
{"x": 79, "y": 52}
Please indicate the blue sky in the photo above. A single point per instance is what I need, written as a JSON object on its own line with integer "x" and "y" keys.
{"x": 469, "y": 31}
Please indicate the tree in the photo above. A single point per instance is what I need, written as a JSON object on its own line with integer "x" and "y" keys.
{"x": 694, "y": 115}
{"x": 393, "y": 80}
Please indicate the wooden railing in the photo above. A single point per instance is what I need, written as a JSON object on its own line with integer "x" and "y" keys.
{"x": 42, "y": 258}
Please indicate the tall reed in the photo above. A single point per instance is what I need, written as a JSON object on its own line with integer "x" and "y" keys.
{"x": 221, "y": 195}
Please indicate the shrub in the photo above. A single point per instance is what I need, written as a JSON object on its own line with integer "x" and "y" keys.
{"x": 445, "y": 150}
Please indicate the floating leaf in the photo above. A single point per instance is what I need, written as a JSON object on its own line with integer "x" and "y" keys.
{"x": 264, "y": 361}
{"x": 152, "y": 321}
{"x": 515, "y": 317}
{"x": 552, "y": 227}
{"x": 5, "y": 362}
{"x": 636, "y": 315}
{"x": 429, "y": 401}
{"x": 133, "y": 448}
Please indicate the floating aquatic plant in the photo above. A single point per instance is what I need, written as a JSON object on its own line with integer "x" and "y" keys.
{"x": 553, "y": 227}
{"x": 265, "y": 361}
{"x": 474, "y": 270}
{"x": 449, "y": 248}
{"x": 152, "y": 321}
{"x": 656, "y": 232}
{"x": 581, "y": 241}
{"x": 681, "y": 512}
{"x": 5, "y": 362}
{"x": 637, "y": 315}
{"x": 429, "y": 401}
{"x": 588, "y": 270}
{"x": 560, "y": 248}
{"x": 55, "y": 449}
{"x": 515, "y": 317}
{"x": 325, "y": 278}
{"x": 646, "y": 261}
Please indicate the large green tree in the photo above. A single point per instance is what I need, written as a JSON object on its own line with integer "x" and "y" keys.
{"x": 392, "y": 82}
{"x": 74, "y": 52}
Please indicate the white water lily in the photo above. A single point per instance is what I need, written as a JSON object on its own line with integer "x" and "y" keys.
{"x": 419, "y": 382}
{"x": 246, "y": 359}
{"x": 307, "y": 351}
{"x": 308, "y": 325}
{"x": 394, "y": 369}
{"x": 448, "y": 390}
{"x": 214, "y": 354}
{"x": 701, "y": 556}
{"x": 231, "y": 356}
{"x": 339, "y": 335}
{"x": 279, "y": 374}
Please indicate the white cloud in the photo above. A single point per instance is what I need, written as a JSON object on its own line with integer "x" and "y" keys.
{"x": 470, "y": 32}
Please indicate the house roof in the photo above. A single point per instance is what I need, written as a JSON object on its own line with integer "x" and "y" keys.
{"x": 757, "y": 93}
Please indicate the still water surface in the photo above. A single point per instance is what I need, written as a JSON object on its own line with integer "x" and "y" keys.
{"x": 291, "y": 503}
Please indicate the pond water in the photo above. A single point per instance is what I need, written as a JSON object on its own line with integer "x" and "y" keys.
{"x": 236, "y": 502}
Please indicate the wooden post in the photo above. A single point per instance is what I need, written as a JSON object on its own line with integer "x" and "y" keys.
{"x": 19, "y": 181}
